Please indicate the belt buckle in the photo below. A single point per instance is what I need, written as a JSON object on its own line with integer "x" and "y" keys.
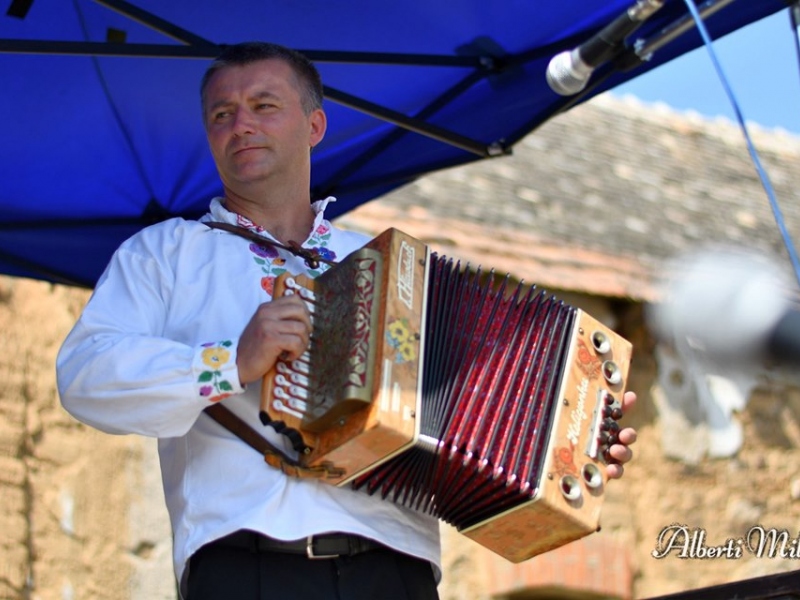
{"x": 310, "y": 550}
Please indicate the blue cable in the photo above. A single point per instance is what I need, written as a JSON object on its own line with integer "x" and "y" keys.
{"x": 776, "y": 211}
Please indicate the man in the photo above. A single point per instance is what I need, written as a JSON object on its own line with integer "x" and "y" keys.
{"x": 183, "y": 317}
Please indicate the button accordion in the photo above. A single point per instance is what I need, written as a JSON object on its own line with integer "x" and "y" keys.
{"x": 487, "y": 404}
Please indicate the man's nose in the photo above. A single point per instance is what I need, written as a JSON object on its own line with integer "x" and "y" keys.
{"x": 243, "y": 123}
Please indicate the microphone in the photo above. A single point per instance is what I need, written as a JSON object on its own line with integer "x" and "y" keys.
{"x": 733, "y": 307}
{"x": 569, "y": 72}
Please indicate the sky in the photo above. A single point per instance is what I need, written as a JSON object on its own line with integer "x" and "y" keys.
{"x": 760, "y": 63}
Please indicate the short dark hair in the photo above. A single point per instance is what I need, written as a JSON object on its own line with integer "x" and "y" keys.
{"x": 311, "y": 94}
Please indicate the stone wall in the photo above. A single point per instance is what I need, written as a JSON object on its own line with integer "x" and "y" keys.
{"x": 81, "y": 515}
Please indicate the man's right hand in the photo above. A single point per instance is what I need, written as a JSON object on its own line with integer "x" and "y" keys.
{"x": 278, "y": 328}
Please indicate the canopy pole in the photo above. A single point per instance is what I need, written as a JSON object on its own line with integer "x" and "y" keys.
{"x": 157, "y": 23}
{"x": 415, "y": 125}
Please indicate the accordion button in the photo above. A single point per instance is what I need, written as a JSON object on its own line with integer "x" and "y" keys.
{"x": 570, "y": 487}
{"x": 592, "y": 476}
{"x": 612, "y": 372}
{"x": 600, "y": 342}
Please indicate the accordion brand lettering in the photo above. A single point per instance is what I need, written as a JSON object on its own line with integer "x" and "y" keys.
{"x": 579, "y": 414}
{"x": 405, "y": 275}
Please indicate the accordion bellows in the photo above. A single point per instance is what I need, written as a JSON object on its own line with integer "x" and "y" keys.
{"x": 488, "y": 405}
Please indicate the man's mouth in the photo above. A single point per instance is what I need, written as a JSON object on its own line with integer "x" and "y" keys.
{"x": 246, "y": 148}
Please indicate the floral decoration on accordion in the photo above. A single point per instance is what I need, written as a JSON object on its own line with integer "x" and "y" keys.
{"x": 588, "y": 361}
{"x": 564, "y": 461}
{"x": 215, "y": 356}
{"x": 399, "y": 337}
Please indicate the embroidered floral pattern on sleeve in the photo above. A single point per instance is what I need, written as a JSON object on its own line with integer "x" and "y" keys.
{"x": 270, "y": 261}
{"x": 215, "y": 356}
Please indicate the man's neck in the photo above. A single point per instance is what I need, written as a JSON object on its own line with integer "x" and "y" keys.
{"x": 288, "y": 218}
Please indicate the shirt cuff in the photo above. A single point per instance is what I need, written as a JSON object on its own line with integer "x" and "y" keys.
{"x": 217, "y": 375}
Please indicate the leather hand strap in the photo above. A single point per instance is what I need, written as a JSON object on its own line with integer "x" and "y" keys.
{"x": 273, "y": 456}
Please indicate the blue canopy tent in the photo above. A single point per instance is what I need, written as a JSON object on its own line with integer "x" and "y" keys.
{"x": 102, "y": 132}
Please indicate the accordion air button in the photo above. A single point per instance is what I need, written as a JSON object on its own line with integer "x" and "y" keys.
{"x": 600, "y": 342}
{"x": 611, "y": 372}
{"x": 592, "y": 476}
{"x": 570, "y": 488}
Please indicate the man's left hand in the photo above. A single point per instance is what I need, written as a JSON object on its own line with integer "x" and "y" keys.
{"x": 621, "y": 451}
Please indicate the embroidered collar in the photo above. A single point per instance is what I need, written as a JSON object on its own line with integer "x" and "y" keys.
{"x": 318, "y": 229}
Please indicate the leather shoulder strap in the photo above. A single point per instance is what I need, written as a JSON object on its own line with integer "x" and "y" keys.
{"x": 310, "y": 255}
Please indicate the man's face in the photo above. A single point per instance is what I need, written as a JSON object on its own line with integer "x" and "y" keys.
{"x": 256, "y": 125}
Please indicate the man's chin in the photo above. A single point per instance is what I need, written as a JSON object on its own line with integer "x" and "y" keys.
{"x": 250, "y": 170}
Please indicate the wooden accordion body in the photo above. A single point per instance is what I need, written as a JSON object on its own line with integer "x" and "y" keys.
{"x": 439, "y": 389}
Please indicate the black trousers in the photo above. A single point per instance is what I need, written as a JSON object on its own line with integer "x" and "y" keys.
{"x": 220, "y": 572}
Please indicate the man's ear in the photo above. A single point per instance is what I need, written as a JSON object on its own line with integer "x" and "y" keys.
{"x": 319, "y": 124}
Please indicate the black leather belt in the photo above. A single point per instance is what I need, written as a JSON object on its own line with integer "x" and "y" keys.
{"x": 328, "y": 545}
